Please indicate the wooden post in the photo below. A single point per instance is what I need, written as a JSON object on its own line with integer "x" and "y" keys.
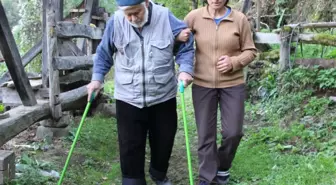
{"x": 258, "y": 15}
{"x": 13, "y": 61}
{"x": 52, "y": 51}
{"x": 86, "y": 21}
{"x": 285, "y": 49}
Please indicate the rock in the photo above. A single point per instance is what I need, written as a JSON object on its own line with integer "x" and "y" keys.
{"x": 44, "y": 132}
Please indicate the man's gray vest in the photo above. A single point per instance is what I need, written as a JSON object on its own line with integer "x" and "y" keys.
{"x": 144, "y": 68}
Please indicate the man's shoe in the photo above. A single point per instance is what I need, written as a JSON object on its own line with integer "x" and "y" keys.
{"x": 166, "y": 181}
{"x": 203, "y": 183}
{"x": 223, "y": 177}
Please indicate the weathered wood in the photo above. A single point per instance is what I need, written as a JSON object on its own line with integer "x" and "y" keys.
{"x": 26, "y": 116}
{"x": 81, "y": 10}
{"x": 68, "y": 48}
{"x": 284, "y": 51}
{"x": 246, "y": 6}
{"x": 86, "y": 21}
{"x": 322, "y": 63}
{"x": 13, "y": 61}
{"x": 7, "y": 166}
{"x": 53, "y": 15}
{"x": 267, "y": 38}
{"x": 26, "y": 59}
{"x": 10, "y": 96}
{"x": 81, "y": 75}
{"x": 1, "y": 57}
{"x": 258, "y": 15}
{"x": 44, "y": 44}
{"x": 35, "y": 84}
{"x": 318, "y": 39}
{"x": 71, "y": 30}
{"x": 89, "y": 47}
{"x": 315, "y": 25}
{"x": 73, "y": 63}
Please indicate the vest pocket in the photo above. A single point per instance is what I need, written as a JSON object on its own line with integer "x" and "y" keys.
{"x": 160, "y": 52}
{"x": 163, "y": 74}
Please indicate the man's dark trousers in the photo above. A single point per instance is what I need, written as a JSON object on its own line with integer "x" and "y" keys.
{"x": 159, "y": 123}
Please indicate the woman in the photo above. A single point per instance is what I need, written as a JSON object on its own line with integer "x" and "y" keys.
{"x": 224, "y": 46}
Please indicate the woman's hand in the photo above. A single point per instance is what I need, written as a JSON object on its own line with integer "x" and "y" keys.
{"x": 224, "y": 64}
{"x": 183, "y": 36}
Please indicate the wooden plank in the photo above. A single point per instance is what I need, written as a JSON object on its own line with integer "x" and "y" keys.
{"x": 86, "y": 21}
{"x": 26, "y": 116}
{"x": 315, "y": 25}
{"x": 80, "y": 75}
{"x": 322, "y": 63}
{"x": 73, "y": 63}
{"x": 26, "y": 59}
{"x": 267, "y": 38}
{"x": 13, "y": 61}
{"x": 71, "y": 30}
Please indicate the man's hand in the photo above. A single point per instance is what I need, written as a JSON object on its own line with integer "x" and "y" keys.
{"x": 186, "y": 78}
{"x": 183, "y": 36}
{"x": 224, "y": 64}
{"x": 93, "y": 86}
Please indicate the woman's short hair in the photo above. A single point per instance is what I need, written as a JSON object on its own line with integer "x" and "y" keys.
{"x": 206, "y": 2}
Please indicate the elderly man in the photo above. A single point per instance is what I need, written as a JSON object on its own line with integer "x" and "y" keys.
{"x": 142, "y": 36}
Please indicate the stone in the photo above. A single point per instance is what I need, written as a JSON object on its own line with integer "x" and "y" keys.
{"x": 62, "y": 123}
{"x": 43, "y": 132}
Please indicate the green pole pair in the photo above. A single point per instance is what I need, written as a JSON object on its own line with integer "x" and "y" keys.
{"x": 186, "y": 133}
{"x": 76, "y": 138}
{"x": 84, "y": 116}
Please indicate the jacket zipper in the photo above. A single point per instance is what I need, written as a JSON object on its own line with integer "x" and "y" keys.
{"x": 216, "y": 59}
{"x": 143, "y": 72}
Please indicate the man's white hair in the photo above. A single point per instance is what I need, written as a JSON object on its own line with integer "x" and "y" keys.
{"x": 123, "y": 8}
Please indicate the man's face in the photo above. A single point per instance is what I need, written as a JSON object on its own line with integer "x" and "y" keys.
{"x": 137, "y": 15}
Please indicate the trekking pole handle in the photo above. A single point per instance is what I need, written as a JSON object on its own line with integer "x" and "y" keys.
{"x": 181, "y": 86}
{"x": 92, "y": 96}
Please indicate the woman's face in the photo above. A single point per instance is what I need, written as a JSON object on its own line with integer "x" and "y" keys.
{"x": 216, "y": 4}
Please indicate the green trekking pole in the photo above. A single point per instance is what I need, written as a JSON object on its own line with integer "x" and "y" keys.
{"x": 186, "y": 133}
{"x": 76, "y": 138}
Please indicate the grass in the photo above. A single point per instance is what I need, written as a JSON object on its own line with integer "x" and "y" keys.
{"x": 266, "y": 155}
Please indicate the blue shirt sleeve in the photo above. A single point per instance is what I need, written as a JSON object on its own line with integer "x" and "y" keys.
{"x": 184, "y": 56}
{"x": 103, "y": 61}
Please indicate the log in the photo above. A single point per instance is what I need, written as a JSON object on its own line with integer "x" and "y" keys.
{"x": 71, "y": 30}
{"x": 267, "y": 38}
{"x": 81, "y": 75}
{"x": 23, "y": 117}
{"x": 315, "y": 25}
{"x": 322, "y": 39}
{"x": 322, "y": 63}
{"x": 73, "y": 63}
{"x": 13, "y": 61}
{"x": 86, "y": 21}
{"x": 106, "y": 109}
{"x": 26, "y": 59}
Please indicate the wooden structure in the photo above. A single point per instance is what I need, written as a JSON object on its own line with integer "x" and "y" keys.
{"x": 67, "y": 58}
{"x": 289, "y": 34}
